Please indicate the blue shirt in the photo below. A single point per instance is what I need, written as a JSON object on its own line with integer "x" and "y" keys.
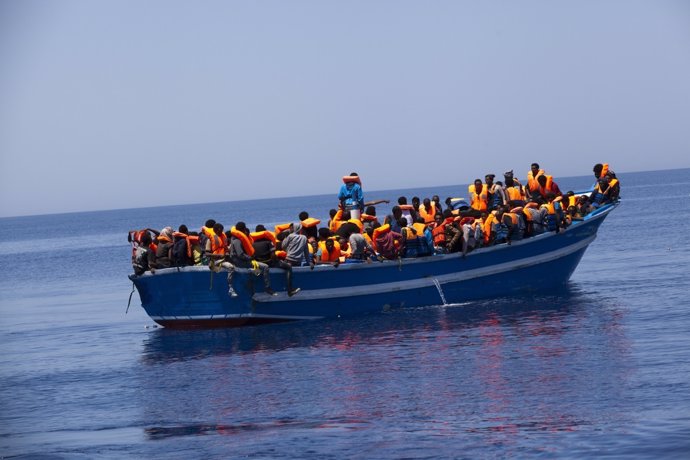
{"x": 351, "y": 194}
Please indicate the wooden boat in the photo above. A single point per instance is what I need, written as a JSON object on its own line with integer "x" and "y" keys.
{"x": 192, "y": 297}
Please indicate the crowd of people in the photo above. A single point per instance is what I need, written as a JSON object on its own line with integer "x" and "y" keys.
{"x": 496, "y": 212}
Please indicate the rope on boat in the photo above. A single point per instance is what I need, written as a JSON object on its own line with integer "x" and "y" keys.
{"x": 130, "y": 298}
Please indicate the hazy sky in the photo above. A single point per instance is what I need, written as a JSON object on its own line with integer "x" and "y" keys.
{"x": 121, "y": 104}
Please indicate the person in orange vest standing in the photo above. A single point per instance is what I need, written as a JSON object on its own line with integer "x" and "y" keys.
{"x": 479, "y": 198}
{"x": 532, "y": 177}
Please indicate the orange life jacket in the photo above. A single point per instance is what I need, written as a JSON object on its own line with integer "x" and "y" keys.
{"x": 358, "y": 223}
{"x": 548, "y": 188}
{"x": 336, "y": 222}
{"x": 378, "y": 231}
{"x": 247, "y": 244}
{"x": 532, "y": 180}
{"x": 486, "y": 227}
{"x": 263, "y": 235}
{"x": 310, "y": 222}
{"x": 428, "y": 215}
{"x": 281, "y": 228}
{"x": 515, "y": 193}
{"x": 191, "y": 240}
{"x": 347, "y": 179}
{"x": 604, "y": 170}
{"x": 329, "y": 256}
{"x": 439, "y": 232}
{"x": 513, "y": 217}
{"x": 478, "y": 201}
{"x": 219, "y": 244}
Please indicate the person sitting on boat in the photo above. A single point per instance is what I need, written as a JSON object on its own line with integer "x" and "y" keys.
{"x": 584, "y": 206}
{"x": 601, "y": 170}
{"x": 295, "y": 244}
{"x": 350, "y": 195}
{"x": 360, "y": 249}
{"x": 216, "y": 251}
{"x": 437, "y": 204}
{"x": 144, "y": 258}
{"x": 535, "y": 218}
{"x": 241, "y": 253}
{"x": 408, "y": 211}
{"x": 182, "y": 254}
{"x": 263, "y": 242}
{"x": 605, "y": 192}
{"x": 369, "y": 219}
{"x": 478, "y": 196}
{"x": 515, "y": 222}
{"x": 309, "y": 224}
{"x": 498, "y": 195}
{"x": 547, "y": 186}
{"x": 418, "y": 240}
{"x": 394, "y": 218}
{"x": 327, "y": 252}
{"x": 388, "y": 243}
{"x": 348, "y": 226}
{"x": 164, "y": 248}
{"x": 515, "y": 194}
{"x": 204, "y": 235}
{"x": 439, "y": 231}
{"x": 427, "y": 211}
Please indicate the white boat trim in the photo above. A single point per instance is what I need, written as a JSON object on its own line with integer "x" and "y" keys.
{"x": 406, "y": 285}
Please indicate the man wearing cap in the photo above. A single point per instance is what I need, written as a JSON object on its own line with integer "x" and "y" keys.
{"x": 296, "y": 247}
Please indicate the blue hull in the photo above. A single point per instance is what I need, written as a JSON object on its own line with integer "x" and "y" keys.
{"x": 196, "y": 297}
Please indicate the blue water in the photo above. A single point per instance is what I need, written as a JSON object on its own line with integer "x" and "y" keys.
{"x": 601, "y": 369}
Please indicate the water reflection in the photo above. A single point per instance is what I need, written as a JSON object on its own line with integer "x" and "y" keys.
{"x": 173, "y": 345}
{"x": 498, "y": 369}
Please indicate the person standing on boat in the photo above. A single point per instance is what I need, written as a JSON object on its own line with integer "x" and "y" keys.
{"x": 479, "y": 198}
{"x": 532, "y": 176}
{"x": 351, "y": 196}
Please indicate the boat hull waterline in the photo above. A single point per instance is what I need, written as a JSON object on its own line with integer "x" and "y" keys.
{"x": 194, "y": 297}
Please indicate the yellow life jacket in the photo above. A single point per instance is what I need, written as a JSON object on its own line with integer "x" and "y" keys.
{"x": 515, "y": 193}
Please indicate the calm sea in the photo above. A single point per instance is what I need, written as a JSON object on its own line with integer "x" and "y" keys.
{"x": 600, "y": 370}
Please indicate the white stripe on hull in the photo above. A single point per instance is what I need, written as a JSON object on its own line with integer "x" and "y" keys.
{"x": 465, "y": 275}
